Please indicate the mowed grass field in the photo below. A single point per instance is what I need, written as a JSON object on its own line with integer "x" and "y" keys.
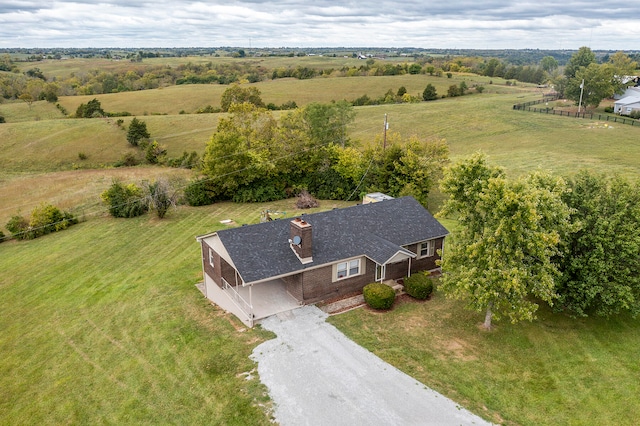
{"x": 552, "y": 371}
{"x": 189, "y": 98}
{"x": 102, "y": 323}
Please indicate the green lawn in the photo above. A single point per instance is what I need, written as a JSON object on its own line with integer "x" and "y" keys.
{"x": 102, "y": 323}
{"x": 553, "y": 371}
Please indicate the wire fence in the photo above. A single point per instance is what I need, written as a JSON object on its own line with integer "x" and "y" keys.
{"x": 527, "y": 106}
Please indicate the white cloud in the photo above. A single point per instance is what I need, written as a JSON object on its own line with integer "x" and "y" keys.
{"x": 456, "y": 23}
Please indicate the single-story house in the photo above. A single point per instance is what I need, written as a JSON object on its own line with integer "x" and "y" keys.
{"x": 627, "y": 105}
{"x": 633, "y": 87}
{"x": 255, "y": 271}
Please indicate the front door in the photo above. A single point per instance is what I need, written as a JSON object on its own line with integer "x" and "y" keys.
{"x": 380, "y": 271}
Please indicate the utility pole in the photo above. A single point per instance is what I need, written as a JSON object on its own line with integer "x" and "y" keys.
{"x": 386, "y": 126}
{"x": 581, "y": 92}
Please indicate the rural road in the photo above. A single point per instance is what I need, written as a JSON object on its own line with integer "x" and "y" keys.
{"x": 317, "y": 376}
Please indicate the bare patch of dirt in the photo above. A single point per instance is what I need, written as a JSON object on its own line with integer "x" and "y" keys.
{"x": 458, "y": 350}
{"x": 480, "y": 326}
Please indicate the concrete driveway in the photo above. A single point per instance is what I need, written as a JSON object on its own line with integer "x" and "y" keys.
{"x": 317, "y": 376}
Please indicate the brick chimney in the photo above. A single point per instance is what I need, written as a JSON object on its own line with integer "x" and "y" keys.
{"x": 303, "y": 249}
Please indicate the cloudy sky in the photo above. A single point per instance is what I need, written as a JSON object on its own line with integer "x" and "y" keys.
{"x": 477, "y": 24}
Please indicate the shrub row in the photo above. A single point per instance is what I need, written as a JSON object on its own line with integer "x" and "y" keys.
{"x": 44, "y": 219}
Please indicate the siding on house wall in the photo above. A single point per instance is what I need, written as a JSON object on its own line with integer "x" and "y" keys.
{"x": 220, "y": 269}
{"x": 213, "y": 272}
{"x": 318, "y": 284}
{"x": 397, "y": 270}
{"x": 228, "y": 272}
{"x": 426, "y": 263}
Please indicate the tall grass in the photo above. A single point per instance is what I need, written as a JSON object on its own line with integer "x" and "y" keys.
{"x": 77, "y": 191}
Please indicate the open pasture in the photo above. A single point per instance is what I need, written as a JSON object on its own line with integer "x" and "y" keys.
{"x": 102, "y": 322}
{"x": 191, "y": 97}
{"x": 62, "y": 69}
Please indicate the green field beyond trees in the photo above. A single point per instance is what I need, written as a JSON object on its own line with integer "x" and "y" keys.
{"x": 103, "y": 323}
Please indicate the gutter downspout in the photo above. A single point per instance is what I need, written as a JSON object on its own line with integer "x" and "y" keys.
{"x": 251, "y": 305}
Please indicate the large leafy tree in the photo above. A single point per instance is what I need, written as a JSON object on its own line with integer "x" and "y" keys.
{"x": 600, "y": 82}
{"x": 548, "y": 64}
{"x": 429, "y": 93}
{"x": 241, "y": 150}
{"x": 582, "y": 58}
{"x": 90, "y": 109}
{"x": 405, "y": 167}
{"x": 327, "y": 123}
{"x": 238, "y": 95}
{"x": 509, "y": 232}
{"x": 622, "y": 67}
{"x": 600, "y": 263}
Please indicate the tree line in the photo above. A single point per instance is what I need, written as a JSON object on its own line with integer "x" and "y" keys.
{"x": 572, "y": 243}
{"x": 254, "y": 157}
{"x": 37, "y": 86}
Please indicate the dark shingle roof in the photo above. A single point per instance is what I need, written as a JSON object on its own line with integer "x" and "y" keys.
{"x": 376, "y": 230}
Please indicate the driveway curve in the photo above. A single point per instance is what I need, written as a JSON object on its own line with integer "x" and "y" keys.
{"x": 317, "y": 376}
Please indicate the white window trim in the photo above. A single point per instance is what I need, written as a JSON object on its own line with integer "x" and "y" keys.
{"x": 348, "y": 275}
{"x": 431, "y": 249}
{"x": 211, "y": 258}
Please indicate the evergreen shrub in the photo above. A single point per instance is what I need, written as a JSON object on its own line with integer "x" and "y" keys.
{"x": 419, "y": 285}
{"x": 378, "y": 295}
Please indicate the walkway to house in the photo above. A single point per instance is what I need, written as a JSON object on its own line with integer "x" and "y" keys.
{"x": 317, "y": 376}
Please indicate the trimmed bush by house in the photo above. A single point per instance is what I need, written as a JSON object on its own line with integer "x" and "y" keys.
{"x": 419, "y": 285}
{"x": 378, "y": 295}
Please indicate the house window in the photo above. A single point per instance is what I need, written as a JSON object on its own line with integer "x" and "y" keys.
{"x": 348, "y": 269}
{"x": 427, "y": 248}
{"x": 211, "y": 258}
